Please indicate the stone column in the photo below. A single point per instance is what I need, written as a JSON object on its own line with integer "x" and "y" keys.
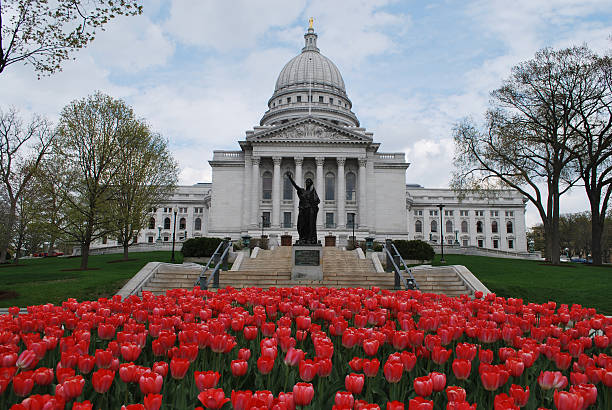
{"x": 276, "y": 192}
{"x": 341, "y": 200}
{"x": 363, "y": 217}
{"x": 246, "y": 194}
{"x": 299, "y": 181}
{"x": 320, "y": 191}
{"x": 255, "y": 217}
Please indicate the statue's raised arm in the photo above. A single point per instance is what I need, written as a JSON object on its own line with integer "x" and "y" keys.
{"x": 288, "y": 175}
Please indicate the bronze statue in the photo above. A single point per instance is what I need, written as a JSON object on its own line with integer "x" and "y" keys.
{"x": 307, "y": 216}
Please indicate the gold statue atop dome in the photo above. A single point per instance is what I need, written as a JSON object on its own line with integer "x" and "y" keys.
{"x": 310, "y": 21}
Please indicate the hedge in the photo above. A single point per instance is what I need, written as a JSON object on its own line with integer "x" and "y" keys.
{"x": 415, "y": 250}
{"x": 199, "y": 247}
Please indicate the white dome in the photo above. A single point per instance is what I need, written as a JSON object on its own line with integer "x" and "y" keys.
{"x": 310, "y": 67}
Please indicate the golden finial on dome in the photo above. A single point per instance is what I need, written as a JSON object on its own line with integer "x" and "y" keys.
{"x": 310, "y": 21}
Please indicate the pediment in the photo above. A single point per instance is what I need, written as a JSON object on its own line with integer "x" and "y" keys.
{"x": 309, "y": 130}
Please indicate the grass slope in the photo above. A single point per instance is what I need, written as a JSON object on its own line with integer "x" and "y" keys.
{"x": 53, "y": 280}
{"x": 533, "y": 281}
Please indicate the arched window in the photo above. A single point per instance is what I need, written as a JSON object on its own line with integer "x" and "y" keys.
{"x": 479, "y": 226}
{"x": 464, "y": 226}
{"x": 330, "y": 187}
{"x": 509, "y": 227}
{"x": 418, "y": 226}
{"x": 494, "y": 227}
{"x": 151, "y": 223}
{"x": 182, "y": 223}
{"x": 350, "y": 186}
{"x": 287, "y": 189}
{"x": 434, "y": 226}
{"x": 449, "y": 226}
{"x": 197, "y": 224}
{"x": 266, "y": 186}
{"x": 167, "y": 223}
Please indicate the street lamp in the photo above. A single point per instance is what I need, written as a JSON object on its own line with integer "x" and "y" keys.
{"x": 175, "y": 211}
{"x": 441, "y": 206}
{"x": 263, "y": 223}
{"x": 159, "y": 228}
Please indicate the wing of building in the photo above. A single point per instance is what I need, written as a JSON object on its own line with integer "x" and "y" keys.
{"x": 311, "y": 131}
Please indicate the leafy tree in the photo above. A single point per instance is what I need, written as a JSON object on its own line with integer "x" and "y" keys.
{"x": 44, "y": 33}
{"x": 22, "y": 148}
{"x": 526, "y": 143}
{"x": 89, "y": 144}
{"x": 148, "y": 174}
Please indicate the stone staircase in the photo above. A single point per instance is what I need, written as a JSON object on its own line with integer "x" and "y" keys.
{"x": 341, "y": 269}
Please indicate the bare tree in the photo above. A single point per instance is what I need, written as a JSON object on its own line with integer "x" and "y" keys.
{"x": 22, "y": 148}
{"x": 147, "y": 176}
{"x": 527, "y": 140}
{"x": 88, "y": 144}
{"x": 43, "y": 33}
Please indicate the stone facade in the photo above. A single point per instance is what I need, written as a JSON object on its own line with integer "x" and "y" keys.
{"x": 310, "y": 131}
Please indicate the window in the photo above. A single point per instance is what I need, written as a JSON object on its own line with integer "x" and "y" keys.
{"x": 494, "y": 213}
{"x": 510, "y": 244}
{"x": 418, "y": 212}
{"x": 329, "y": 220}
{"x": 509, "y": 227}
{"x": 198, "y": 210}
{"x": 449, "y": 241}
{"x": 494, "y": 226}
{"x": 479, "y": 226}
{"x": 286, "y": 219}
{"x": 418, "y": 226}
{"x": 150, "y": 239}
{"x": 299, "y": 98}
{"x": 449, "y": 226}
{"x": 495, "y": 243}
{"x": 280, "y": 100}
{"x": 182, "y": 210}
{"x": 330, "y": 187}
{"x": 287, "y": 189}
{"x": 266, "y": 186}
{"x": 464, "y": 213}
{"x": 151, "y": 223}
{"x": 509, "y": 214}
{"x": 166, "y": 238}
{"x": 434, "y": 226}
{"x": 464, "y": 226}
{"x": 350, "y": 186}
{"x": 350, "y": 220}
{"x": 465, "y": 242}
{"x": 167, "y": 210}
{"x": 182, "y": 223}
{"x": 433, "y": 213}
{"x": 266, "y": 219}
{"x": 320, "y": 98}
{"x": 479, "y": 213}
{"x": 288, "y": 100}
{"x": 197, "y": 224}
{"x": 331, "y": 100}
{"x": 448, "y": 213}
{"x": 167, "y": 223}
{"x": 480, "y": 243}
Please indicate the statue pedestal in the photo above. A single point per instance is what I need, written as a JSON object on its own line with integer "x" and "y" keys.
{"x": 306, "y": 262}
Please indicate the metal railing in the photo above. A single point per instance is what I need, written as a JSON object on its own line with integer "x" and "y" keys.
{"x": 220, "y": 258}
{"x": 393, "y": 255}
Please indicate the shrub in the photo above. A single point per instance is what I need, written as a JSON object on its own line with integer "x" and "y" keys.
{"x": 261, "y": 242}
{"x": 199, "y": 247}
{"x": 414, "y": 250}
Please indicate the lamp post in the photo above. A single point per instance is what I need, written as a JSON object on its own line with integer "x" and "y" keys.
{"x": 175, "y": 211}
{"x": 263, "y": 223}
{"x": 159, "y": 228}
{"x": 441, "y": 206}
{"x": 353, "y": 226}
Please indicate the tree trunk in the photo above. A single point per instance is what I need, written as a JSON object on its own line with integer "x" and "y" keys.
{"x": 597, "y": 225}
{"x": 6, "y": 239}
{"x": 85, "y": 254}
{"x": 126, "y": 247}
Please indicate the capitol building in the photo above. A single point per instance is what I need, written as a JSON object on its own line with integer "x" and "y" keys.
{"x": 310, "y": 130}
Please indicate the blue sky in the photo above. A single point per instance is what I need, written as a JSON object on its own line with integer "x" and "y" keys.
{"x": 201, "y": 72}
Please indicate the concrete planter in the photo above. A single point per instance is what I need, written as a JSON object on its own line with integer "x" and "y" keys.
{"x": 196, "y": 259}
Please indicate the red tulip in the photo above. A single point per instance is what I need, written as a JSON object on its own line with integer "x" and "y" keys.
{"x": 395, "y": 405}
{"x": 106, "y": 331}
{"x": 160, "y": 368}
{"x": 515, "y": 366}
{"x": 354, "y": 383}
{"x": 86, "y": 363}
{"x": 265, "y": 364}
{"x": 356, "y": 364}
{"x": 325, "y": 367}
{"x": 587, "y": 391}
{"x": 213, "y": 398}
{"x": 466, "y": 351}
{"x": 562, "y": 360}
{"x": 84, "y": 405}
{"x": 440, "y": 355}
{"x": 478, "y": 294}
{"x": 504, "y": 402}
{"x": 153, "y": 401}
{"x": 303, "y": 322}
{"x": 419, "y": 403}
{"x": 103, "y": 358}
{"x": 244, "y": 354}
{"x": 462, "y": 368}
{"x": 294, "y": 357}
{"x": 344, "y": 399}
{"x": 241, "y": 399}
{"x": 250, "y": 332}
{"x": 308, "y": 370}
{"x": 568, "y": 401}
{"x": 130, "y": 352}
{"x": 370, "y": 346}
{"x": 350, "y": 339}
{"x": 370, "y": 367}
{"x": 552, "y": 380}
{"x": 27, "y": 360}
{"x": 239, "y": 367}
{"x": 136, "y": 406}
{"x": 519, "y": 395}
{"x": 43, "y": 376}
{"x": 485, "y": 356}
{"x": 102, "y": 380}
{"x": 460, "y": 405}
{"x": 493, "y": 379}
{"x": 150, "y": 382}
{"x": 178, "y": 367}
{"x": 303, "y": 394}
{"x": 438, "y": 381}
{"x": 23, "y": 383}
{"x": 70, "y": 388}
{"x": 206, "y": 380}
{"x": 393, "y": 371}
{"x": 423, "y": 386}
{"x": 455, "y": 393}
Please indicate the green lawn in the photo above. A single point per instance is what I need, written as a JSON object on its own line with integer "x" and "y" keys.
{"x": 587, "y": 285}
{"x": 39, "y": 281}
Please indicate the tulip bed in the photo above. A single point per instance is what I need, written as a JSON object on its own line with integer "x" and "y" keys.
{"x": 304, "y": 347}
